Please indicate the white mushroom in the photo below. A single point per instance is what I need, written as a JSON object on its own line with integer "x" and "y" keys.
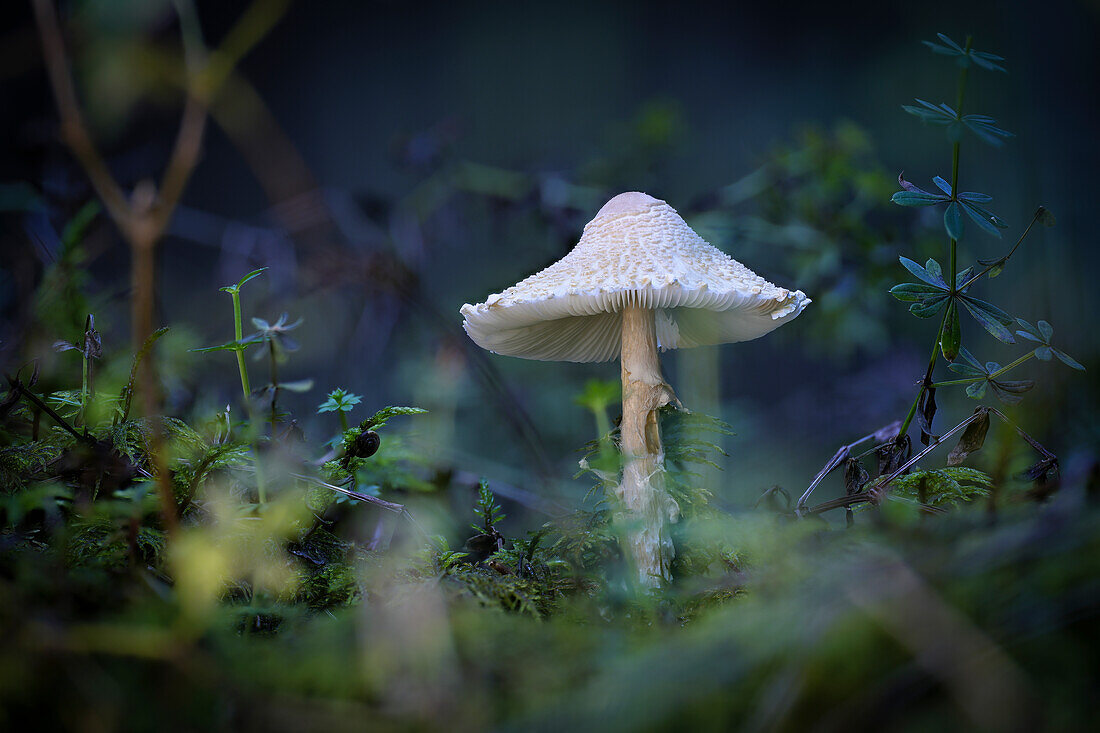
{"x": 639, "y": 279}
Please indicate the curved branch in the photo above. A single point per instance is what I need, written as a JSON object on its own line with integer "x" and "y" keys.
{"x": 73, "y": 130}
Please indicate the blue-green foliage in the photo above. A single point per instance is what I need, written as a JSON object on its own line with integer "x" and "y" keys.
{"x": 935, "y": 293}
{"x": 339, "y": 400}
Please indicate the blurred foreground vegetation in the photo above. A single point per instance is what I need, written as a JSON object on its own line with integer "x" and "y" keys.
{"x": 307, "y": 612}
{"x": 232, "y": 575}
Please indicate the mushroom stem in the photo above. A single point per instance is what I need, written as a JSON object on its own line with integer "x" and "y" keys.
{"x": 645, "y": 505}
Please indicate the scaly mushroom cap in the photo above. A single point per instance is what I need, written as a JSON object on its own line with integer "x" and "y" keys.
{"x": 637, "y": 251}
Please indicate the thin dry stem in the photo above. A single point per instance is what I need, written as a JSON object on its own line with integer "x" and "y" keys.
{"x": 143, "y": 218}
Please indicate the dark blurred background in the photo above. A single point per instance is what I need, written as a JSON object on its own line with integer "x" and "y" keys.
{"x": 391, "y": 161}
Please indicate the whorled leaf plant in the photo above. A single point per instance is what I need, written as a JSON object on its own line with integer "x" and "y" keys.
{"x": 945, "y": 291}
{"x": 948, "y": 295}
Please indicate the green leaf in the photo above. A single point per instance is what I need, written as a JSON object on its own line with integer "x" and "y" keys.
{"x": 487, "y": 509}
{"x": 951, "y": 336}
{"x": 985, "y": 129}
{"x": 1046, "y": 330}
{"x": 934, "y": 269}
{"x": 237, "y": 288}
{"x": 993, "y": 311}
{"x": 984, "y": 219}
{"x": 985, "y": 60}
{"x": 945, "y": 486}
{"x": 942, "y": 185}
{"x": 993, "y": 319}
{"x": 598, "y": 394}
{"x": 339, "y": 400}
{"x": 930, "y": 274}
{"x": 380, "y": 418}
{"x": 951, "y": 44}
{"x": 942, "y": 50}
{"x": 952, "y": 221}
{"x": 1042, "y": 333}
{"x": 231, "y": 346}
{"x": 1029, "y": 332}
{"x": 968, "y": 364}
{"x": 910, "y": 292}
{"x": 966, "y": 369}
{"x": 250, "y": 276}
{"x": 1044, "y": 217}
{"x": 1008, "y": 392}
{"x": 917, "y": 198}
{"x": 996, "y": 267}
{"x": 928, "y": 308}
{"x": 932, "y": 114}
{"x": 964, "y": 57}
{"x": 1067, "y": 359}
{"x": 1011, "y": 393}
{"x": 976, "y": 390}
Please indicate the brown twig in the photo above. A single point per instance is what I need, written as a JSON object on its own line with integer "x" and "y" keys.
{"x": 73, "y": 130}
{"x": 842, "y": 454}
{"x": 878, "y": 490}
{"x": 880, "y": 487}
{"x": 838, "y": 458}
{"x": 861, "y": 498}
{"x": 43, "y": 407}
{"x": 143, "y": 217}
{"x": 382, "y": 503}
{"x": 1027, "y": 438}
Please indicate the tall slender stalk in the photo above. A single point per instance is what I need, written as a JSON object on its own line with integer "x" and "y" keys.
{"x": 274, "y": 383}
{"x": 926, "y": 382}
{"x": 85, "y": 393}
{"x": 238, "y": 346}
{"x": 238, "y": 334}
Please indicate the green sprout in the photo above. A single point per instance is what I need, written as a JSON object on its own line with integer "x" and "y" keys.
{"x": 341, "y": 402}
{"x": 239, "y": 343}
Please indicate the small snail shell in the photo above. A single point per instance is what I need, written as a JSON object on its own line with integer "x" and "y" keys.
{"x": 366, "y": 444}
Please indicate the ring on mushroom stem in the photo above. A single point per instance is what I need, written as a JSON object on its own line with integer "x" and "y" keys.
{"x": 640, "y": 279}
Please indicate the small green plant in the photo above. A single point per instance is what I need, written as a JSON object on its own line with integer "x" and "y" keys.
{"x": 341, "y": 402}
{"x": 949, "y": 294}
{"x": 943, "y": 487}
{"x": 361, "y": 443}
{"x": 487, "y": 510}
{"x": 946, "y": 292}
{"x": 597, "y": 396}
{"x": 276, "y": 345}
{"x": 90, "y": 348}
{"x": 238, "y": 345}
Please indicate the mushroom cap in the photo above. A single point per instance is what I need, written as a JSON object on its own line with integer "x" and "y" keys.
{"x": 636, "y": 251}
